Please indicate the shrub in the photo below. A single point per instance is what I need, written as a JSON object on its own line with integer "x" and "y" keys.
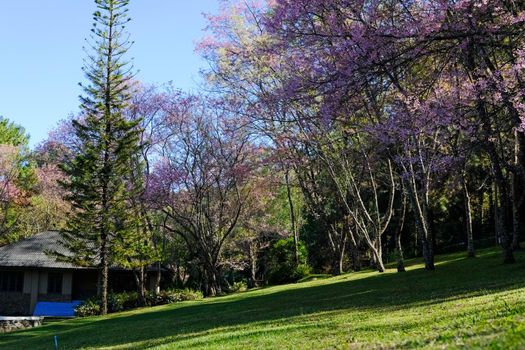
{"x": 301, "y": 272}
{"x": 128, "y": 300}
{"x": 122, "y": 301}
{"x": 116, "y": 302}
{"x": 188, "y": 294}
{"x": 90, "y": 307}
{"x": 282, "y": 267}
{"x": 240, "y": 286}
{"x": 171, "y": 296}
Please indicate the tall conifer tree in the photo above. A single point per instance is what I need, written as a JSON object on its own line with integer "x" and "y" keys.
{"x": 99, "y": 175}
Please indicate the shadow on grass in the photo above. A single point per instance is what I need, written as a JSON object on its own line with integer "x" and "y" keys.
{"x": 454, "y": 278}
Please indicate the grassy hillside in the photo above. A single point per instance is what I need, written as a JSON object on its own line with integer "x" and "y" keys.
{"x": 465, "y": 303}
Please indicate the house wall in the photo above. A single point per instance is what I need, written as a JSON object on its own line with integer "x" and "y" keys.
{"x": 76, "y": 284}
{"x": 67, "y": 277}
{"x": 15, "y": 303}
{"x": 31, "y": 286}
{"x": 34, "y": 290}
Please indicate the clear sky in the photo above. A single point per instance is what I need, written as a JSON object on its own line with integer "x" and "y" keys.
{"x": 41, "y": 53}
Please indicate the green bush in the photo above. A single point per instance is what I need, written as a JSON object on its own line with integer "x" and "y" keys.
{"x": 90, "y": 307}
{"x": 240, "y": 286}
{"x": 122, "y": 301}
{"x": 282, "y": 267}
{"x": 301, "y": 272}
{"x": 188, "y": 294}
{"x": 171, "y": 296}
{"x": 128, "y": 300}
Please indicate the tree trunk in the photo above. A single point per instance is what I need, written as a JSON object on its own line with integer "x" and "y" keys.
{"x": 378, "y": 260}
{"x": 468, "y": 217}
{"x": 515, "y": 220}
{"x": 514, "y": 193}
{"x": 400, "y": 258}
{"x": 139, "y": 279}
{"x": 356, "y": 259}
{"x": 500, "y": 211}
{"x": 397, "y": 238}
{"x": 501, "y": 232}
{"x": 501, "y": 188}
{"x": 354, "y": 254}
{"x": 481, "y": 212}
{"x": 158, "y": 277}
{"x": 104, "y": 277}
{"x": 426, "y": 239}
{"x": 292, "y": 216}
{"x": 428, "y": 254}
{"x": 338, "y": 242}
{"x": 213, "y": 281}
{"x": 252, "y": 283}
{"x": 420, "y": 210}
{"x": 337, "y": 264}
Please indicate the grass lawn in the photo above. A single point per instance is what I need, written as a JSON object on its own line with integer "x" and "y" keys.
{"x": 465, "y": 303}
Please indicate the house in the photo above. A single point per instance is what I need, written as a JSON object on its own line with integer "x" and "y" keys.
{"x": 28, "y": 275}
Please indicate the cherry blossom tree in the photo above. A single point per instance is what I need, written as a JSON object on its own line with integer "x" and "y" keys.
{"x": 200, "y": 182}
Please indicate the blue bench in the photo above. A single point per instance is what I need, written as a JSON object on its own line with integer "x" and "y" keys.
{"x": 52, "y": 309}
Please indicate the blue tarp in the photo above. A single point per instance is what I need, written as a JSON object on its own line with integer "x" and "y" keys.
{"x": 50, "y": 309}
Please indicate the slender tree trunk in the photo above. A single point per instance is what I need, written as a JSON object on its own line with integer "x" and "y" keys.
{"x": 500, "y": 210}
{"x": 492, "y": 211}
{"x": 515, "y": 220}
{"x": 338, "y": 245}
{"x": 253, "y": 267}
{"x": 397, "y": 238}
{"x": 373, "y": 257}
{"x": 514, "y": 193}
{"x": 292, "y": 216}
{"x": 379, "y": 247}
{"x": 158, "y": 277}
{"x": 378, "y": 260}
{"x": 337, "y": 265}
{"x": 354, "y": 254}
{"x": 400, "y": 258}
{"x": 140, "y": 280}
{"x": 356, "y": 259}
{"x": 481, "y": 212}
{"x": 104, "y": 273}
{"x": 501, "y": 232}
{"x": 468, "y": 217}
{"x": 424, "y": 232}
{"x": 428, "y": 253}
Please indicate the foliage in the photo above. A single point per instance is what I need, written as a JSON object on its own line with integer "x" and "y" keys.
{"x": 170, "y": 296}
{"x": 239, "y": 286}
{"x": 201, "y": 184}
{"x": 100, "y": 181}
{"x": 281, "y": 265}
{"x": 90, "y": 307}
{"x": 118, "y": 302}
{"x": 17, "y": 178}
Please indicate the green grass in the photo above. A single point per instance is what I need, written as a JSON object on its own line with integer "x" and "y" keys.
{"x": 465, "y": 303}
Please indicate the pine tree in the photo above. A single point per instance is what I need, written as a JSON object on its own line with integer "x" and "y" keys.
{"x": 99, "y": 175}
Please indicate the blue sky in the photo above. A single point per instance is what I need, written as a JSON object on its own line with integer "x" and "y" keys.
{"x": 41, "y": 53}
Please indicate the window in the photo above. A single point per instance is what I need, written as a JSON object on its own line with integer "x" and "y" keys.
{"x": 11, "y": 281}
{"x": 54, "y": 283}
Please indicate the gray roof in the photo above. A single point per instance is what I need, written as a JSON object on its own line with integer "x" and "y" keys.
{"x": 31, "y": 252}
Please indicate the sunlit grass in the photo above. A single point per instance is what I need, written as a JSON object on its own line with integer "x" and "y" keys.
{"x": 465, "y": 303}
